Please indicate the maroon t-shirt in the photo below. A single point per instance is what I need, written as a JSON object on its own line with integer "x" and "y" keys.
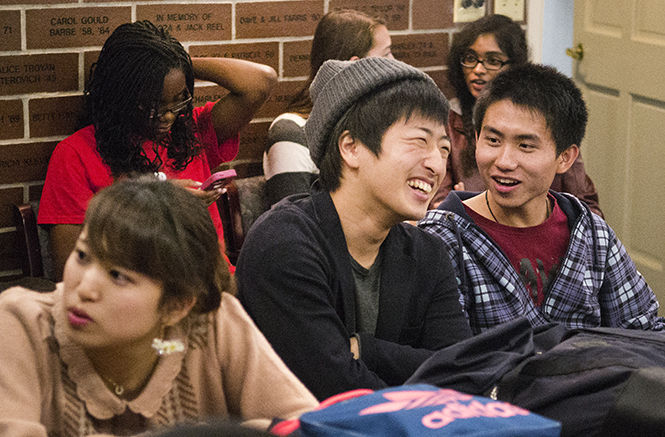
{"x": 535, "y": 252}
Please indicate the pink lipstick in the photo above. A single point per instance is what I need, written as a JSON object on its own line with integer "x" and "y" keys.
{"x": 77, "y": 318}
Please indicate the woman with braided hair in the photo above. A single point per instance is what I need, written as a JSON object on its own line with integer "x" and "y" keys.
{"x": 139, "y": 117}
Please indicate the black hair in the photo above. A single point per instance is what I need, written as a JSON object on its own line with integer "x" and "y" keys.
{"x": 125, "y": 87}
{"x": 545, "y": 91}
{"x": 511, "y": 40}
{"x": 162, "y": 231}
{"x": 371, "y": 115}
{"x": 340, "y": 35}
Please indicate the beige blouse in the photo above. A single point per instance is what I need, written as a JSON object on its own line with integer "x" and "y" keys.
{"x": 49, "y": 387}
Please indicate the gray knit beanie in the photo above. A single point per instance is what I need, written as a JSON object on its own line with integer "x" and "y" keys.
{"x": 339, "y": 84}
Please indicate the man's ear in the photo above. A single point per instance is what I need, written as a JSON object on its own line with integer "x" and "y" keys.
{"x": 567, "y": 158}
{"x": 348, "y": 149}
{"x": 354, "y": 58}
{"x": 176, "y": 310}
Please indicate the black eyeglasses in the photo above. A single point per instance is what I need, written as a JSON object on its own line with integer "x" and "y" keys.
{"x": 490, "y": 63}
{"x": 177, "y": 109}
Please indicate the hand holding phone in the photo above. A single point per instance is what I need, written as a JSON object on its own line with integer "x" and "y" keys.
{"x": 218, "y": 179}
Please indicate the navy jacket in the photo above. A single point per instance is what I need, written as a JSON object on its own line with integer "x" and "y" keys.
{"x": 295, "y": 280}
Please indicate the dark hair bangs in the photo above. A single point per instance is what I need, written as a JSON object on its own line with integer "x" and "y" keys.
{"x": 543, "y": 91}
{"x": 118, "y": 232}
{"x": 372, "y": 115}
{"x": 163, "y": 232}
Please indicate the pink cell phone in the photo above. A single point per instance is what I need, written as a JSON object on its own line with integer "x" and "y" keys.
{"x": 218, "y": 179}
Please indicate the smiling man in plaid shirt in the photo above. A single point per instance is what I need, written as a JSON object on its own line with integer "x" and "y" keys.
{"x": 519, "y": 249}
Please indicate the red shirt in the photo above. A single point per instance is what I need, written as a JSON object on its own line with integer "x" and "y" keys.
{"x": 535, "y": 252}
{"x": 76, "y": 171}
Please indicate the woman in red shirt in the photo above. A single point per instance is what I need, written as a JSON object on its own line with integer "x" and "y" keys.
{"x": 139, "y": 117}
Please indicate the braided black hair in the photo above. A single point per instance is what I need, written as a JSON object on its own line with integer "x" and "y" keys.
{"x": 179, "y": 248}
{"x": 125, "y": 85}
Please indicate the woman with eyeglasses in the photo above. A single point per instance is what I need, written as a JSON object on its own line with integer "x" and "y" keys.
{"x": 479, "y": 52}
{"x": 138, "y": 117}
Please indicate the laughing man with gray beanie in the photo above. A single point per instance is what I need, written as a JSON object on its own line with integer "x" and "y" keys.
{"x": 348, "y": 294}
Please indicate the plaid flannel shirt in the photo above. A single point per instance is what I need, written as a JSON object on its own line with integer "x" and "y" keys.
{"x": 597, "y": 283}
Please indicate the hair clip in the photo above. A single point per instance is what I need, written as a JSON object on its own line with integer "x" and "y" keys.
{"x": 167, "y": 347}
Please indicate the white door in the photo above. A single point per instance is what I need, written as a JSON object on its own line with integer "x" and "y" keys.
{"x": 622, "y": 75}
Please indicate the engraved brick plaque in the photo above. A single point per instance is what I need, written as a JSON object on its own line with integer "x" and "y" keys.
{"x": 10, "y": 30}
{"x": 270, "y": 19}
{"x": 432, "y": 14}
{"x": 54, "y": 116}
{"x": 263, "y": 53}
{"x": 73, "y": 27}
{"x": 36, "y": 73}
{"x": 296, "y": 58}
{"x": 275, "y": 105}
{"x": 421, "y": 50}
{"x": 190, "y": 22}
{"x": 394, "y": 12}
{"x": 11, "y": 119}
{"x": 253, "y": 141}
{"x": 280, "y": 97}
{"x": 24, "y": 162}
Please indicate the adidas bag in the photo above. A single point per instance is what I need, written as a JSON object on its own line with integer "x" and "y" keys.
{"x": 417, "y": 410}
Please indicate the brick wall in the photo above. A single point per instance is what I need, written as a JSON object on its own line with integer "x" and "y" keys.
{"x": 47, "y": 47}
